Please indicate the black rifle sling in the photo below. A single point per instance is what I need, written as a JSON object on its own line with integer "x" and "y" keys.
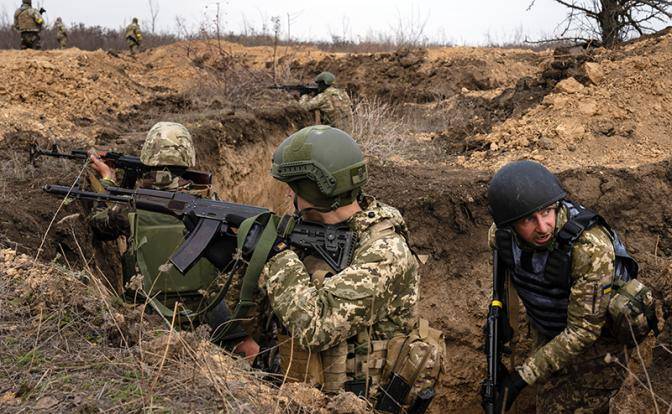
{"x": 259, "y": 257}
{"x": 558, "y": 266}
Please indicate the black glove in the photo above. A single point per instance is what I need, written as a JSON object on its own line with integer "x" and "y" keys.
{"x": 512, "y": 385}
{"x": 42, "y": 11}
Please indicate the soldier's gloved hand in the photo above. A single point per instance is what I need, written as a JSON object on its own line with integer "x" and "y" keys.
{"x": 511, "y": 385}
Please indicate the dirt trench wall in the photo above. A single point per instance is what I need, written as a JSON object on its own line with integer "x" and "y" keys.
{"x": 448, "y": 219}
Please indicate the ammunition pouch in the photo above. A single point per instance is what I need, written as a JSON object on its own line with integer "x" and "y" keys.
{"x": 632, "y": 312}
{"x": 413, "y": 365}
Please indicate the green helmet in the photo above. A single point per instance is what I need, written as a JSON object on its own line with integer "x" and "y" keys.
{"x": 168, "y": 143}
{"x": 323, "y": 165}
{"x": 327, "y": 78}
{"x": 135, "y": 20}
{"x": 28, "y": 2}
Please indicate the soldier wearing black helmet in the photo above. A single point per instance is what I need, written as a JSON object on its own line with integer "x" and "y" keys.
{"x": 562, "y": 261}
{"x": 332, "y": 106}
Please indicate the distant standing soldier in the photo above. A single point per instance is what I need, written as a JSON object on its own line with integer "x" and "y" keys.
{"x": 61, "y": 34}
{"x": 133, "y": 36}
{"x": 332, "y": 106}
{"x": 28, "y": 21}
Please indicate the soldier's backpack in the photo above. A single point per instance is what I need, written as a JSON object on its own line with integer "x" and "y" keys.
{"x": 413, "y": 365}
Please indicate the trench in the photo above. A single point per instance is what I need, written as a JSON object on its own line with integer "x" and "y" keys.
{"x": 445, "y": 209}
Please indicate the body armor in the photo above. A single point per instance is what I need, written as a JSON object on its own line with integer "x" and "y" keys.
{"x": 543, "y": 278}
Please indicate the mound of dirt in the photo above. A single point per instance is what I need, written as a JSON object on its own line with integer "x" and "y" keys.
{"x": 619, "y": 116}
{"x": 69, "y": 346}
{"x": 424, "y": 75}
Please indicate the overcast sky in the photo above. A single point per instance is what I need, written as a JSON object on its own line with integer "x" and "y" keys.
{"x": 459, "y": 22}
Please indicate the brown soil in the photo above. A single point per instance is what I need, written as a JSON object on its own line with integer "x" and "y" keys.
{"x": 603, "y": 126}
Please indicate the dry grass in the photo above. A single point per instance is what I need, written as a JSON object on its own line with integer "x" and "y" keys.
{"x": 68, "y": 344}
{"x": 379, "y": 128}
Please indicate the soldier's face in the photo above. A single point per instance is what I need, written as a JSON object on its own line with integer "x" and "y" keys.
{"x": 538, "y": 227}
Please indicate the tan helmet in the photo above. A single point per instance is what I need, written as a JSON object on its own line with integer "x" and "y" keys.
{"x": 168, "y": 143}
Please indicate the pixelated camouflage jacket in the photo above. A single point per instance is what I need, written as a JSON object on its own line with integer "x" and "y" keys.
{"x": 592, "y": 269}
{"x": 133, "y": 32}
{"x": 334, "y": 105}
{"x": 379, "y": 290}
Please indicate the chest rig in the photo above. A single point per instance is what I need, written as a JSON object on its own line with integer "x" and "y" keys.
{"x": 354, "y": 364}
{"x": 542, "y": 278}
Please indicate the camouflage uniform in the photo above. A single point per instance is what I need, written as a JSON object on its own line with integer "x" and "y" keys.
{"x": 133, "y": 36}
{"x": 333, "y": 105}
{"x": 61, "y": 34}
{"x": 377, "y": 294}
{"x": 28, "y": 21}
{"x": 571, "y": 365}
{"x": 166, "y": 144}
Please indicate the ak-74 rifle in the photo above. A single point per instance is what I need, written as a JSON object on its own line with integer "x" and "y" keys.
{"x": 131, "y": 165}
{"x": 497, "y": 333}
{"x": 310, "y": 89}
{"x": 212, "y": 226}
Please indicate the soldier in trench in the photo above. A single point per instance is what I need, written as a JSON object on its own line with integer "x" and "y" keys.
{"x": 331, "y": 106}
{"x": 147, "y": 238}
{"x": 338, "y": 329}
{"x": 564, "y": 262}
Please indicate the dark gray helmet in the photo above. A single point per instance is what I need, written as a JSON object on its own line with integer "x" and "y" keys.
{"x": 323, "y": 165}
{"x": 519, "y": 189}
{"x": 327, "y": 78}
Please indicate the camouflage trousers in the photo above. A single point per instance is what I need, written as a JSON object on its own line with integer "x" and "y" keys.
{"x": 30, "y": 40}
{"x": 584, "y": 388}
{"x": 62, "y": 41}
{"x": 133, "y": 45}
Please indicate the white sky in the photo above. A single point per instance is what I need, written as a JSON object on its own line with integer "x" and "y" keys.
{"x": 456, "y": 21}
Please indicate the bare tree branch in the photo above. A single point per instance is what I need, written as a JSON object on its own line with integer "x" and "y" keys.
{"x": 153, "y": 12}
{"x": 611, "y": 21}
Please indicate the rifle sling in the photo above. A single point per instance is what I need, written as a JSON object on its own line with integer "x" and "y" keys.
{"x": 257, "y": 261}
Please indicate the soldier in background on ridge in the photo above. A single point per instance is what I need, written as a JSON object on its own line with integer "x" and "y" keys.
{"x": 28, "y": 21}
{"x": 61, "y": 34}
{"x": 133, "y": 36}
{"x": 332, "y": 106}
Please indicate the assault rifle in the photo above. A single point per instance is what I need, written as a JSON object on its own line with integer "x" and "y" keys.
{"x": 494, "y": 341}
{"x": 131, "y": 164}
{"x": 301, "y": 89}
{"x": 212, "y": 226}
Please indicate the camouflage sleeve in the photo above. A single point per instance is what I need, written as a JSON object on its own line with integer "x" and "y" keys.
{"x": 592, "y": 272}
{"x": 347, "y": 302}
{"x": 37, "y": 17}
{"x": 110, "y": 223}
{"x": 491, "y": 236}
{"x": 312, "y": 103}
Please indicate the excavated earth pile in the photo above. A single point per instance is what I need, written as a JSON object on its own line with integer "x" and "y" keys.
{"x": 600, "y": 118}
